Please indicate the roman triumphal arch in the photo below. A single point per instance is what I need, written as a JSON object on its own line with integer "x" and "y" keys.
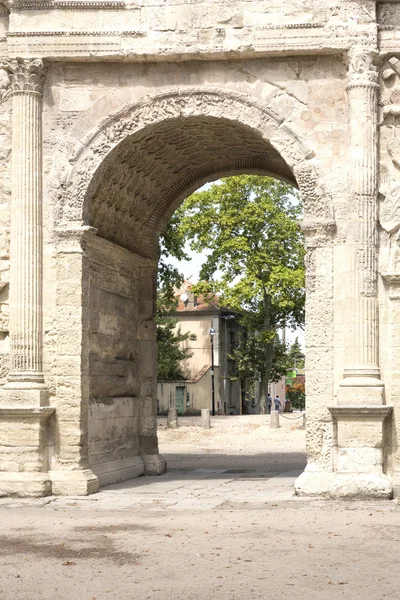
{"x": 111, "y": 113}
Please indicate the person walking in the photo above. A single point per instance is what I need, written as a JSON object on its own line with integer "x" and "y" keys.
{"x": 269, "y": 403}
{"x": 277, "y": 403}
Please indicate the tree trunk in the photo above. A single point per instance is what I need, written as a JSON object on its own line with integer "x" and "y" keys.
{"x": 269, "y": 354}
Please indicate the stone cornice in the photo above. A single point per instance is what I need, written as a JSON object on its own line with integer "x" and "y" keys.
{"x": 22, "y": 5}
{"x": 100, "y": 250}
{"x": 102, "y": 32}
{"x": 39, "y": 413}
{"x": 73, "y": 33}
{"x": 360, "y": 412}
{"x": 149, "y": 45}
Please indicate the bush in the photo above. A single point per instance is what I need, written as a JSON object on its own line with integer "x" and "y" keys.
{"x": 296, "y": 393}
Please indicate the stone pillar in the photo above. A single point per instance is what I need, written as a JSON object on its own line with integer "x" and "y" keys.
{"x": 26, "y": 329}
{"x": 205, "y": 418}
{"x": 320, "y": 237}
{"x": 359, "y": 417}
{"x": 154, "y": 463}
{"x": 361, "y": 382}
{"x": 70, "y": 471}
{"x": 25, "y": 417}
{"x": 274, "y": 419}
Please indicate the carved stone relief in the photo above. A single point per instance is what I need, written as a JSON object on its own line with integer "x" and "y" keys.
{"x": 389, "y": 185}
{"x": 5, "y": 85}
{"x": 388, "y": 15}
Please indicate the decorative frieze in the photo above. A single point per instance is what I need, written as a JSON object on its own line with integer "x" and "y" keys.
{"x": 389, "y": 187}
{"x": 19, "y": 5}
{"x": 5, "y": 85}
{"x": 90, "y": 32}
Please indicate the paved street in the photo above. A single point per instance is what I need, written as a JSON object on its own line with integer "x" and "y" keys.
{"x": 197, "y": 489}
{"x": 220, "y": 525}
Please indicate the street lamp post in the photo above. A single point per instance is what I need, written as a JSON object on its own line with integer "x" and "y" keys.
{"x": 212, "y": 333}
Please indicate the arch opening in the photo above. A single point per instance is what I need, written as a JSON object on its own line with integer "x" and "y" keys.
{"x": 126, "y": 180}
{"x": 145, "y": 178}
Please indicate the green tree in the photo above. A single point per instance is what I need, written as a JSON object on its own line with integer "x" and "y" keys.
{"x": 170, "y": 352}
{"x": 296, "y": 355}
{"x": 250, "y": 227}
{"x": 170, "y": 349}
{"x": 171, "y": 243}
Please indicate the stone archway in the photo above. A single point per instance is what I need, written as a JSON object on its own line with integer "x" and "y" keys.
{"x": 126, "y": 179}
{"x": 94, "y": 415}
{"x": 284, "y": 154}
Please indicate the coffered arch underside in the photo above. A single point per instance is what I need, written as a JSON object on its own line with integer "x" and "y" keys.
{"x": 132, "y": 172}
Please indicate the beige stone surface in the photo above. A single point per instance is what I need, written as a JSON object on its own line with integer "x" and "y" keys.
{"x": 111, "y": 113}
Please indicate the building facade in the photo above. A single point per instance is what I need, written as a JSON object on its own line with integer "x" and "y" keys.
{"x": 210, "y": 357}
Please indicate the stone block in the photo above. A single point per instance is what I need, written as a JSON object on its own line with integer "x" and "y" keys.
{"x": 109, "y": 472}
{"x": 360, "y": 434}
{"x": 25, "y": 484}
{"x": 361, "y": 395}
{"x": 148, "y": 444}
{"x": 154, "y": 464}
{"x": 359, "y": 460}
{"x": 73, "y": 483}
{"x": 19, "y": 397}
{"x": 319, "y": 359}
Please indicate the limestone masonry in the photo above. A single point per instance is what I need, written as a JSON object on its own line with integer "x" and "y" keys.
{"x": 111, "y": 113}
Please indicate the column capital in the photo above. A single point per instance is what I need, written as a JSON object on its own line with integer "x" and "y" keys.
{"x": 26, "y": 75}
{"x": 362, "y": 71}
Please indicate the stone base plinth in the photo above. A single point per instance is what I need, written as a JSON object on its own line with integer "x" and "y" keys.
{"x": 24, "y": 450}
{"x": 357, "y": 457}
{"x": 116, "y": 471}
{"x": 23, "y": 397}
{"x": 74, "y": 483}
{"x": 154, "y": 464}
{"x": 352, "y": 486}
{"x": 24, "y": 484}
{"x": 361, "y": 390}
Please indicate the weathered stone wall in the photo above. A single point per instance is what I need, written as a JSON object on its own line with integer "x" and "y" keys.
{"x": 203, "y": 29}
{"x": 114, "y": 379}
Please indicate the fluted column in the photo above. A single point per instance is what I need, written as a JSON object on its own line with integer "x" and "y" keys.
{"x": 361, "y": 383}
{"x": 26, "y": 328}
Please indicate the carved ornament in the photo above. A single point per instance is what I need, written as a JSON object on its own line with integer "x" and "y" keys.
{"x": 362, "y": 70}
{"x": 66, "y": 5}
{"x": 389, "y": 184}
{"x": 26, "y": 75}
{"x": 94, "y": 154}
{"x": 5, "y": 85}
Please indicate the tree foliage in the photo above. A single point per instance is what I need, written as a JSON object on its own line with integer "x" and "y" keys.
{"x": 170, "y": 350}
{"x": 172, "y": 243}
{"x": 249, "y": 225}
{"x": 296, "y": 355}
{"x": 296, "y": 393}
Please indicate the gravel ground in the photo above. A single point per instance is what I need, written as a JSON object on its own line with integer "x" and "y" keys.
{"x": 231, "y": 435}
{"x": 307, "y": 549}
{"x": 243, "y": 441}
